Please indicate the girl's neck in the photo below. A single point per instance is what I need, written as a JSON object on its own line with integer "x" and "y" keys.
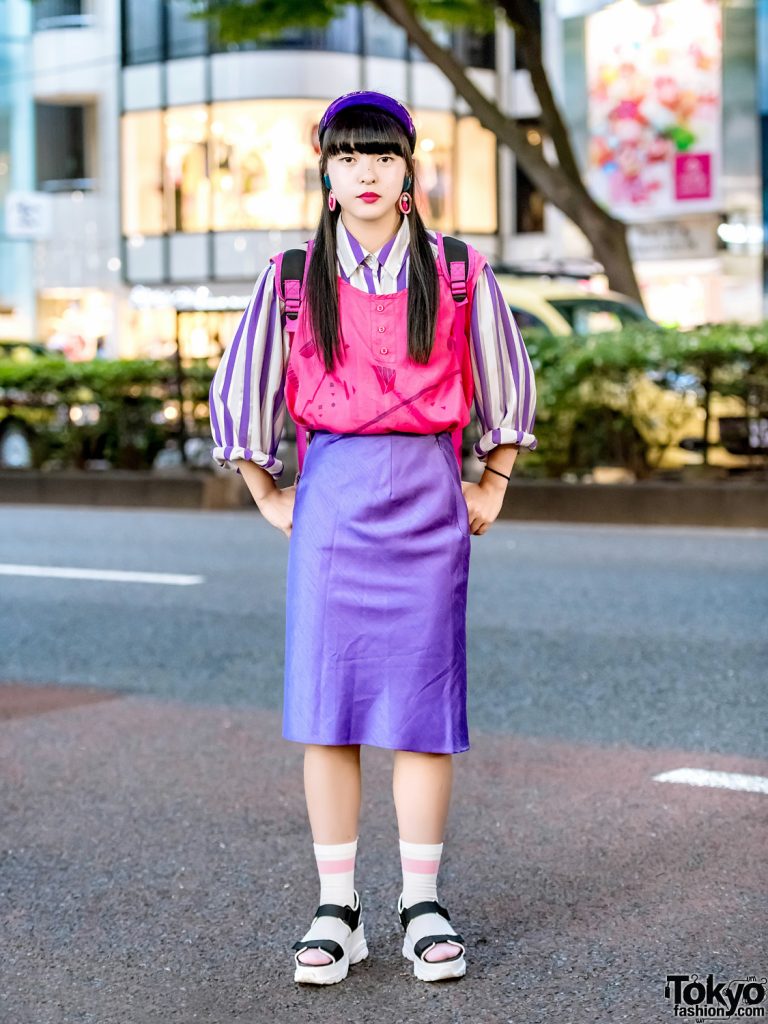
{"x": 372, "y": 235}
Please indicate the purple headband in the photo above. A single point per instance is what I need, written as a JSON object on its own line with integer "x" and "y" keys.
{"x": 378, "y": 100}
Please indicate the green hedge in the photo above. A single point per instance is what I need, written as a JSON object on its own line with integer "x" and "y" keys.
{"x": 130, "y": 396}
{"x": 585, "y": 386}
{"x": 586, "y": 414}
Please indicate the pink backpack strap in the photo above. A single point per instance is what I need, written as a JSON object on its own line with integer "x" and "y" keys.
{"x": 292, "y": 293}
{"x": 292, "y": 296}
{"x": 462, "y": 285}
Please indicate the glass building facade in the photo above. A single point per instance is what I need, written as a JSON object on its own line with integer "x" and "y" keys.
{"x": 762, "y": 70}
{"x": 17, "y": 168}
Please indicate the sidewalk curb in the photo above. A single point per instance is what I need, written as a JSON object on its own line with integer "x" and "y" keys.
{"x": 672, "y": 504}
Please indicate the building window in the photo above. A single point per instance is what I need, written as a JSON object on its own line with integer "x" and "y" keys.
{"x": 142, "y": 31}
{"x": 142, "y": 173}
{"x": 476, "y": 176}
{"x": 62, "y": 133}
{"x": 381, "y": 36}
{"x": 342, "y": 35}
{"x": 264, "y": 164}
{"x": 187, "y": 182}
{"x": 529, "y": 202}
{"x": 475, "y": 49}
{"x": 187, "y": 37}
{"x": 441, "y": 34}
{"x": 433, "y": 159}
{"x": 253, "y": 165}
{"x": 48, "y": 14}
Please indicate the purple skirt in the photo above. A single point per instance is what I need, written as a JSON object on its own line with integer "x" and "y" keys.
{"x": 376, "y": 595}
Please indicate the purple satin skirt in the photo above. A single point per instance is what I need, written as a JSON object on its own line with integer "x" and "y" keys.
{"x": 376, "y": 595}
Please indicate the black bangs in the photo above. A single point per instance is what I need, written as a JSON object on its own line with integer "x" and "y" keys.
{"x": 365, "y": 130}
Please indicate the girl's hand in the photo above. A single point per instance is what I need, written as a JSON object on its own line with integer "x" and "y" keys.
{"x": 484, "y": 503}
{"x": 277, "y": 508}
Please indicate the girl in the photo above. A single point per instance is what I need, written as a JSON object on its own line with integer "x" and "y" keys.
{"x": 380, "y": 369}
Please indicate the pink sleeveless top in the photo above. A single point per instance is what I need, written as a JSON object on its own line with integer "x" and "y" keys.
{"x": 377, "y": 389}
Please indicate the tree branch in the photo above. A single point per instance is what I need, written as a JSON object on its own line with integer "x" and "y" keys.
{"x": 528, "y": 34}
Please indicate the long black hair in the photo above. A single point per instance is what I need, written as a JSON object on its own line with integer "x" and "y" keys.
{"x": 369, "y": 131}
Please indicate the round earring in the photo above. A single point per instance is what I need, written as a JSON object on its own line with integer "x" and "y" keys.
{"x": 404, "y": 203}
{"x": 331, "y": 201}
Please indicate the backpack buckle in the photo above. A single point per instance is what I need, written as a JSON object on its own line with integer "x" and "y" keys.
{"x": 458, "y": 282}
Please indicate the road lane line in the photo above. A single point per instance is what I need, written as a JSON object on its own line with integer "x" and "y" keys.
{"x": 114, "y": 575}
{"x": 721, "y": 780}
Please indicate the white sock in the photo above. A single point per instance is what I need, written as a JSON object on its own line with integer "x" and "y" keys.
{"x": 336, "y": 867}
{"x": 421, "y": 863}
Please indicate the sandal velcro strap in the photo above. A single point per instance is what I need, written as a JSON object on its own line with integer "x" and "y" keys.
{"x": 422, "y": 945}
{"x": 336, "y": 951}
{"x": 346, "y": 914}
{"x": 407, "y": 914}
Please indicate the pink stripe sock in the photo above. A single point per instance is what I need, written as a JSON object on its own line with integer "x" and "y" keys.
{"x": 420, "y": 863}
{"x": 336, "y": 867}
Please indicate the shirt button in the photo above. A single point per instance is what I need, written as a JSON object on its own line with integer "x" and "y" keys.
{"x": 382, "y": 329}
{"x": 383, "y": 350}
{"x": 380, "y": 308}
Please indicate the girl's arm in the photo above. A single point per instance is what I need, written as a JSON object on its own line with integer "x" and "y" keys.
{"x": 247, "y": 407}
{"x": 504, "y": 384}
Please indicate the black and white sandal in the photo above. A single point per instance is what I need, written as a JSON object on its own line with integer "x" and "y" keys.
{"x": 431, "y": 970}
{"x": 351, "y": 951}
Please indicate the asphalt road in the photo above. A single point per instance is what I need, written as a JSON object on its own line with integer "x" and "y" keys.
{"x": 155, "y": 858}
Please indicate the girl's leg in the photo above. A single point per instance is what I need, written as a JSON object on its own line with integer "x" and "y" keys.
{"x": 421, "y": 787}
{"x": 332, "y": 786}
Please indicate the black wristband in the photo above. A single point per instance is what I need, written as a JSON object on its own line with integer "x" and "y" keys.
{"x": 491, "y": 470}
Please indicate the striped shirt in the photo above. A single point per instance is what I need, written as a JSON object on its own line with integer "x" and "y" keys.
{"x": 247, "y": 404}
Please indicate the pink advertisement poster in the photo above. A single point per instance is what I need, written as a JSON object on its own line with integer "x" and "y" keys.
{"x": 654, "y": 94}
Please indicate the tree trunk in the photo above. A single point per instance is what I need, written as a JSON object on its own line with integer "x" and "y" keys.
{"x": 560, "y": 184}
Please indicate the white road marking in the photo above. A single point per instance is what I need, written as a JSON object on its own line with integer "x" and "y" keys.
{"x": 721, "y": 780}
{"x": 114, "y": 575}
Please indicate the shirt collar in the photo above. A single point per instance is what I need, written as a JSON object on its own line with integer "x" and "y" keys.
{"x": 391, "y": 255}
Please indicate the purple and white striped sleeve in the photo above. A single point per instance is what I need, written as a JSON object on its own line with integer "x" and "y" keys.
{"x": 247, "y": 393}
{"x": 505, "y": 388}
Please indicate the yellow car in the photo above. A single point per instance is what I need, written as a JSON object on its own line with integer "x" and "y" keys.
{"x": 670, "y": 419}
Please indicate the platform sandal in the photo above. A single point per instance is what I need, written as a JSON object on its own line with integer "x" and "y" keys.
{"x": 351, "y": 951}
{"x": 430, "y": 970}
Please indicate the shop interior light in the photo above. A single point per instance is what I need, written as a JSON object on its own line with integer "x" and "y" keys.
{"x": 740, "y": 233}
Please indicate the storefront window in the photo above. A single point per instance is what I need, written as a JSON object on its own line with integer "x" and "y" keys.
{"x": 187, "y": 184}
{"x": 254, "y": 165}
{"x": 263, "y": 164}
{"x": 151, "y": 333}
{"x": 476, "y": 176}
{"x": 434, "y": 148}
{"x": 142, "y": 170}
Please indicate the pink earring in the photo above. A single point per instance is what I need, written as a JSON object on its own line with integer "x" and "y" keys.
{"x": 331, "y": 201}
{"x": 404, "y": 203}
